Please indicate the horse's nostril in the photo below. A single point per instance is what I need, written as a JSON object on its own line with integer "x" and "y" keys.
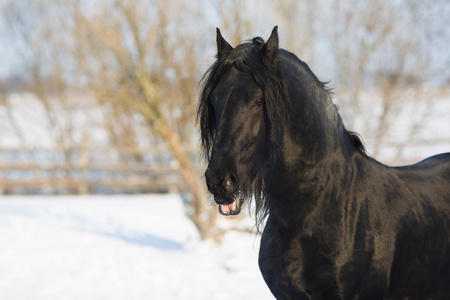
{"x": 229, "y": 183}
{"x": 220, "y": 185}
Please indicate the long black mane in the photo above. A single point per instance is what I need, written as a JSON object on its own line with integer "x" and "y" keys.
{"x": 248, "y": 57}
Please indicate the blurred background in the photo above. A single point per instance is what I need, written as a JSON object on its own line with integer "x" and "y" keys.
{"x": 99, "y": 97}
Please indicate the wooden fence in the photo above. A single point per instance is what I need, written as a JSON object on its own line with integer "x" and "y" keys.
{"x": 89, "y": 170}
{"x": 117, "y": 170}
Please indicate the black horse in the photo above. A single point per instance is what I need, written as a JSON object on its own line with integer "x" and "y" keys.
{"x": 339, "y": 224}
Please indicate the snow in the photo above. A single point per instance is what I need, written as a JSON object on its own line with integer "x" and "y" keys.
{"x": 119, "y": 247}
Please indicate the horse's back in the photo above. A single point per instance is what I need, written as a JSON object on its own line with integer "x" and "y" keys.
{"x": 430, "y": 177}
{"x": 437, "y": 163}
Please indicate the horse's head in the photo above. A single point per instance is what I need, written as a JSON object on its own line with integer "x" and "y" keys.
{"x": 239, "y": 139}
{"x": 233, "y": 123}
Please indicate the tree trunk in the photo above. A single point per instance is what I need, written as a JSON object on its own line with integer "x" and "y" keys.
{"x": 202, "y": 213}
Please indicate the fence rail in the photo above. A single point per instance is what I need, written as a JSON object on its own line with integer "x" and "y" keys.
{"x": 83, "y": 170}
{"x": 89, "y": 170}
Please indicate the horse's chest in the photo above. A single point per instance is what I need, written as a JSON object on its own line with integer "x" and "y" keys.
{"x": 293, "y": 268}
{"x": 281, "y": 263}
{"x": 306, "y": 266}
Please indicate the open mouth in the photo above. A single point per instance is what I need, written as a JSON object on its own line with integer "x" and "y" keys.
{"x": 231, "y": 209}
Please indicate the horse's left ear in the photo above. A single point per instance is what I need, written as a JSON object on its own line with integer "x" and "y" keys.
{"x": 223, "y": 47}
{"x": 271, "y": 46}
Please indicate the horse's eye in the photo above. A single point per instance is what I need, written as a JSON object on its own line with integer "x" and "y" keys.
{"x": 259, "y": 101}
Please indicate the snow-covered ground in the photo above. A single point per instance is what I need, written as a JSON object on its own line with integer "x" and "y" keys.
{"x": 119, "y": 247}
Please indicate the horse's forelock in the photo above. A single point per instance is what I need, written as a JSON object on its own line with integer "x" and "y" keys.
{"x": 238, "y": 57}
{"x": 258, "y": 42}
{"x": 269, "y": 78}
{"x": 205, "y": 112}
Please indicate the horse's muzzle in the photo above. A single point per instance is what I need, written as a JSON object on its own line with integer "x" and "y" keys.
{"x": 224, "y": 188}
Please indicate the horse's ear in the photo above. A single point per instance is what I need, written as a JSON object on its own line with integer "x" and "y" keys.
{"x": 271, "y": 46}
{"x": 223, "y": 47}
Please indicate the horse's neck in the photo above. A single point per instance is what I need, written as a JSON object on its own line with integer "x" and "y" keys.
{"x": 314, "y": 141}
{"x": 303, "y": 176}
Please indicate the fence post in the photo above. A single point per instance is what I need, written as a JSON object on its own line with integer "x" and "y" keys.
{"x": 83, "y": 163}
{"x": 2, "y": 188}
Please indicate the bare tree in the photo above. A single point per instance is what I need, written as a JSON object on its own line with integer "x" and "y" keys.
{"x": 41, "y": 65}
{"x": 373, "y": 53}
{"x": 135, "y": 63}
